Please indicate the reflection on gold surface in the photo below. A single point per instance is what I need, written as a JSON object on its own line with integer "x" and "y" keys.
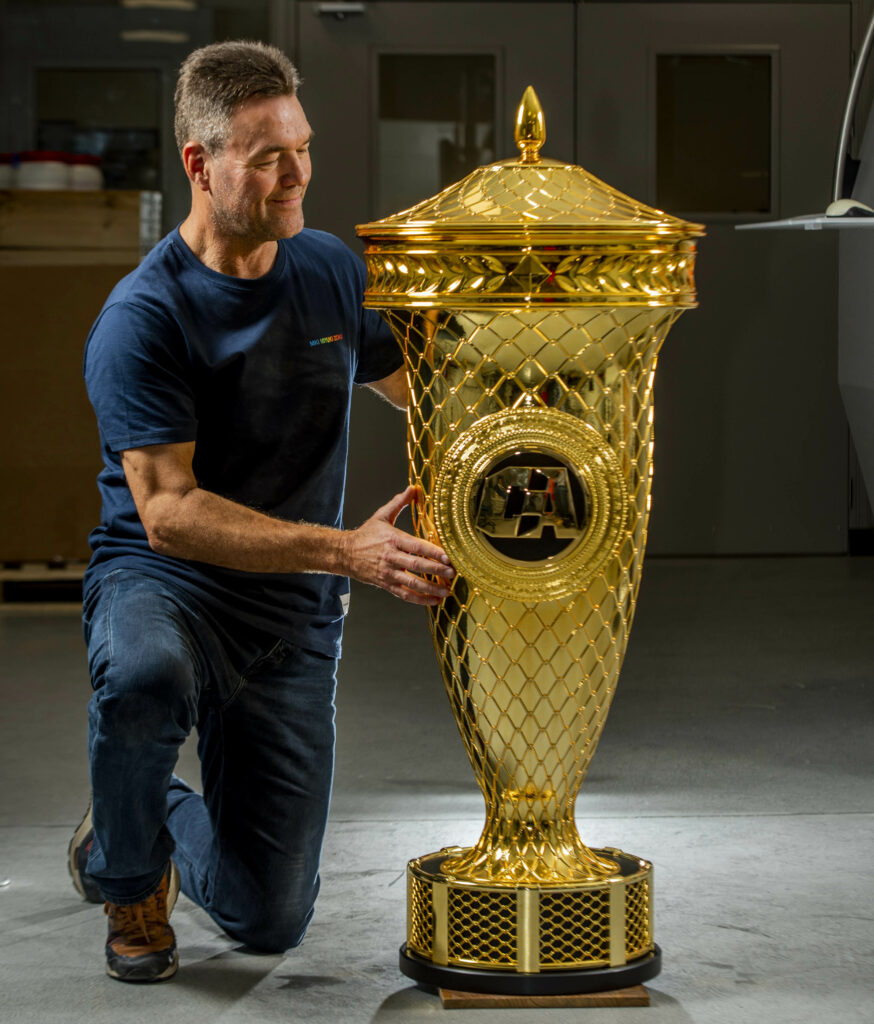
{"x": 523, "y": 502}
{"x": 531, "y": 301}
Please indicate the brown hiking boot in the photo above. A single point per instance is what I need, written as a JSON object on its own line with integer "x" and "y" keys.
{"x": 141, "y": 945}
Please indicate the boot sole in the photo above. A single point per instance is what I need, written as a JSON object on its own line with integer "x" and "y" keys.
{"x": 140, "y": 972}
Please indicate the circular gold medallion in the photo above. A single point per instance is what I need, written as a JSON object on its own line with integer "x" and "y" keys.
{"x": 530, "y": 503}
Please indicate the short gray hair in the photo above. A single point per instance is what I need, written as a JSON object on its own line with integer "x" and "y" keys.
{"x": 216, "y": 80}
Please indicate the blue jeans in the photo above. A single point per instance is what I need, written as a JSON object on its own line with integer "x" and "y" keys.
{"x": 248, "y": 850}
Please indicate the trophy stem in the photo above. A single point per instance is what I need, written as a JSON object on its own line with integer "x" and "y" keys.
{"x": 515, "y": 851}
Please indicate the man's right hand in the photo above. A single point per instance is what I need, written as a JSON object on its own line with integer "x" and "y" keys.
{"x": 384, "y": 556}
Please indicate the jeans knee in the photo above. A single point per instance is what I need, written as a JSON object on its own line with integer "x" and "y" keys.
{"x": 147, "y": 692}
{"x": 274, "y": 932}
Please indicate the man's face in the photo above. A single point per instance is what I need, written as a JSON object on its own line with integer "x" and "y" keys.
{"x": 258, "y": 180}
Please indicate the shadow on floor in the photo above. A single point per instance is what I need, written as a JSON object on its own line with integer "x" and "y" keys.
{"x": 225, "y": 977}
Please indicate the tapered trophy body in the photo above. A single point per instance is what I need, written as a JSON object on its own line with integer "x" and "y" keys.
{"x": 531, "y": 301}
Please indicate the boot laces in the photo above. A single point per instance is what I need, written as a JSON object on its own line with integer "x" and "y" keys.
{"x": 147, "y": 916}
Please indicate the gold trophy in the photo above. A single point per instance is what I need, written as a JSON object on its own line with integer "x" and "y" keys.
{"x": 530, "y": 300}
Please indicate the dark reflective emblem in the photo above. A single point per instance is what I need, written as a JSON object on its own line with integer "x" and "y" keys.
{"x": 530, "y": 507}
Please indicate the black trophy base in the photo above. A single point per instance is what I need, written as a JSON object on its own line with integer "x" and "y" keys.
{"x": 544, "y": 983}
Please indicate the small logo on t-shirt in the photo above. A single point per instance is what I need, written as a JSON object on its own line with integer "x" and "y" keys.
{"x": 326, "y": 341}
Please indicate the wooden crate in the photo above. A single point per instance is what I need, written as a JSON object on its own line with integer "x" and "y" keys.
{"x": 66, "y": 227}
{"x": 60, "y": 255}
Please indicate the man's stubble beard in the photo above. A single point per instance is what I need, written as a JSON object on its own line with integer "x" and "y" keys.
{"x": 235, "y": 223}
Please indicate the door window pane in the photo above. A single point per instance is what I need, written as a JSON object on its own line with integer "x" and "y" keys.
{"x": 713, "y": 133}
{"x": 436, "y": 123}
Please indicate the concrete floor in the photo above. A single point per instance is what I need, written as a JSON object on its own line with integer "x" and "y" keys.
{"x": 738, "y": 758}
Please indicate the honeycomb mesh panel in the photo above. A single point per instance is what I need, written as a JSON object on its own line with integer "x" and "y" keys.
{"x": 573, "y": 924}
{"x": 420, "y": 934}
{"x": 482, "y": 928}
{"x": 575, "y": 928}
{"x": 638, "y": 919}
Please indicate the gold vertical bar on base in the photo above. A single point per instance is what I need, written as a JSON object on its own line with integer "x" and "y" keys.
{"x": 617, "y": 924}
{"x": 528, "y": 931}
{"x": 410, "y": 890}
{"x": 440, "y": 906}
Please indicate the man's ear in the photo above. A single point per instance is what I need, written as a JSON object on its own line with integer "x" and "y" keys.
{"x": 194, "y": 159}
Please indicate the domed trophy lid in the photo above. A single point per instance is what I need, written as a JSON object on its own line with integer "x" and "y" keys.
{"x": 558, "y": 215}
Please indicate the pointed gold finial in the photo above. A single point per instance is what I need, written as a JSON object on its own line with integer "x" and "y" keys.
{"x": 530, "y": 128}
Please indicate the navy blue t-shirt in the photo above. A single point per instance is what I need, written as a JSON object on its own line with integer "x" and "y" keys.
{"x": 258, "y": 373}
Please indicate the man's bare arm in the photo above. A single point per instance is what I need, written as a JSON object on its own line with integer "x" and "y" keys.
{"x": 393, "y": 388}
{"x": 185, "y": 521}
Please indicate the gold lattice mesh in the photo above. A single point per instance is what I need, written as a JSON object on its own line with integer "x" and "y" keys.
{"x": 482, "y": 927}
{"x": 420, "y": 930}
{"x": 638, "y": 918}
{"x": 530, "y": 683}
{"x": 575, "y": 927}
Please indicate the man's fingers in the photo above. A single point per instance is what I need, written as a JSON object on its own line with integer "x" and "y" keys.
{"x": 415, "y": 590}
{"x": 411, "y": 545}
{"x": 423, "y": 566}
{"x": 407, "y": 541}
{"x": 392, "y": 509}
{"x": 411, "y": 597}
{"x": 421, "y": 585}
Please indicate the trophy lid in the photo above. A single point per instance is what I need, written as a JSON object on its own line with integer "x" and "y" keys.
{"x": 533, "y": 197}
{"x": 561, "y": 217}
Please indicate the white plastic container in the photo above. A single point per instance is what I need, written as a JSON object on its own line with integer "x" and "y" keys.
{"x": 43, "y": 169}
{"x": 84, "y": 171}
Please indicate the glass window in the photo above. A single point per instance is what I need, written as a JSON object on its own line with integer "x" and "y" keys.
{"x": 436, "y": 123}
{"x": 713, "y": 133}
